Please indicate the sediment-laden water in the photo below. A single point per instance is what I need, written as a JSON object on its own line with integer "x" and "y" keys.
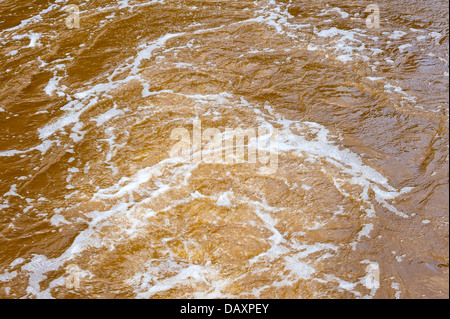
{"x": 355, "y": 204}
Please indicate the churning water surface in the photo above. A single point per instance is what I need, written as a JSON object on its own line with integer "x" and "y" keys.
{"x": 355, "y": 206}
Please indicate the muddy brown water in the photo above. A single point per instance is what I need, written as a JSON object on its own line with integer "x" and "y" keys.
{"x": 89, "y": 188}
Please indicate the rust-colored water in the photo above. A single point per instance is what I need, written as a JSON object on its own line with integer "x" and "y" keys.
{"x": 87, "y": 180}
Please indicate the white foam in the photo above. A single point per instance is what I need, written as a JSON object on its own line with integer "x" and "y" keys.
{"x": 398, "y": 292}
{"x": 404, "y": 47}
{"x": 224, "y": 199}
{"x": 346, "y": 46}
{"x": 375, "y": 78}
{"x": 392, "y": 88}
{"x": 7, "y": 276}
{"x": 108, "y": 115}
{"x": 52, "y": 86}
{"x": 300, "y": 269}
{"x": 184, "y": 276}
{"x": 58, "y": 219}
{"x": 342, "y": 13}
{"x": 396, "y": 35}
{"x": 70, "y": 118}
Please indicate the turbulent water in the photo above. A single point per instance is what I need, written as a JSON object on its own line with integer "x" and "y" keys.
{"x": 356, "y": 207}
